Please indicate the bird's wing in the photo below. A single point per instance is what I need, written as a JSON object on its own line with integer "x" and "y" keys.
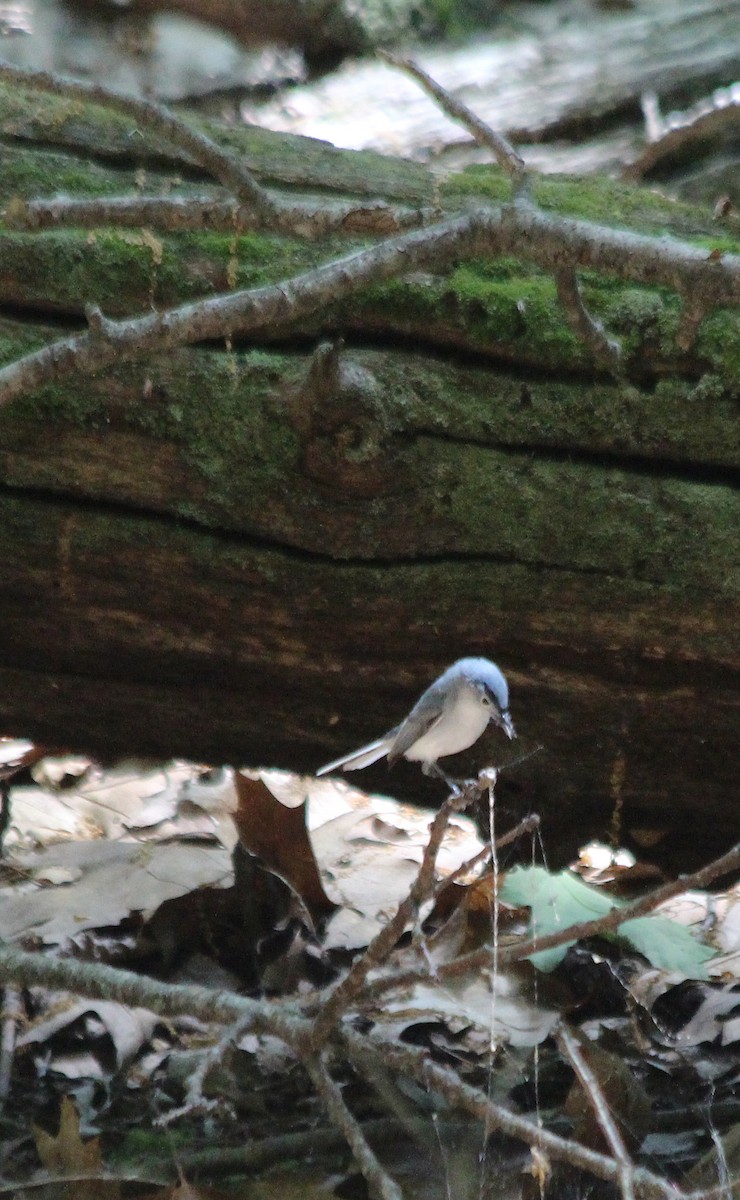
{"x": 422, "y": 718}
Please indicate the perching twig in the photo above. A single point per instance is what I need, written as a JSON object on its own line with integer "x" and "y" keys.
{"x": 407, "y": 977}
{"x": 570, "y": 1050}
{"x": 505, "y": 154}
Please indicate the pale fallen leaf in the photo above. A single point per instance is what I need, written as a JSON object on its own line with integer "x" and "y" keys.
{"x": 369, "y": 858}
{"x": 57, "y": 876}
{"x": 128, "y": 1029}
{"x": 118, "y": 878}
{"x": 499, "y": 1007}
{"x": 102, "y": 804}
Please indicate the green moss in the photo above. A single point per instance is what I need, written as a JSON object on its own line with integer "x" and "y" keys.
{"x": 29, "y": 173}
{"x": 118, "y": 269}
{"x": 285, "y": 159}
{"x": 594, "y": 198}
{"x": 17, "y": 339}
{"x": 514, "y": 315}
{"x": 719, "y": 342}
{"x": 586, "y": 516}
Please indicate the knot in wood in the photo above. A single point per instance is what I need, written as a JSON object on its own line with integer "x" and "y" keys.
{"x": 347, "y": 443}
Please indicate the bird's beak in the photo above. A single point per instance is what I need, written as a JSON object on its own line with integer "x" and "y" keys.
{"x": 507, "y": 725}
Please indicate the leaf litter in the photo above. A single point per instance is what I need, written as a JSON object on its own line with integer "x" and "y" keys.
{"x": 104, "y": 863}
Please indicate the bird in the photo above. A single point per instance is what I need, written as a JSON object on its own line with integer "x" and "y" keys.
{"x": 448, "y": 717}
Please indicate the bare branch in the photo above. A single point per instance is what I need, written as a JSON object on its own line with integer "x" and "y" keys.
{"x": 415, "y": 1062}
{"x": 549, "y": 241}
{"x": 349, "y": 988}
{"x": 570, "y": 1050}
{"x": 182, "y": 214}
{"x": 704, "y": 123}
{"x": 238, "y": 312}
{"x": 609, "y": 923}
{"x": 203, "y": 150}
{"x": 604, "y": 349}
{"x": 96, "y": 980}
{"x": 504, "y": 153}
{"x": 379, "y": 1182}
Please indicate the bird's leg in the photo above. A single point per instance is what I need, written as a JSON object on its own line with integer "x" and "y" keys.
{"x": 434, "y": 771}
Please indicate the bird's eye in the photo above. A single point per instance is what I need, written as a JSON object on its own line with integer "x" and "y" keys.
{"x": 485, "y": 700}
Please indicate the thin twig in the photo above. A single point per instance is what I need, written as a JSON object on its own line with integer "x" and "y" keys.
{"x": 161, "y": 122}
{"x": 274, "y": 306}
{"x": 505, "y": 154}
{"x": 414, "y": 1062}
{"x": 604, "y": 349}
{"x": 378, "y": 1180}
{"x": 270, "y": 1151}
{"x": 111, "y": 983}
{"x": 609, "y": 923}
{"x": 526, "y": 232}
{"x": 10, "y": 1017}
{"x": 570, "y": 1050}
{"x": 353, "y": 983}
{"x": 526, "y": 825}
{"x": 182, "y": 214}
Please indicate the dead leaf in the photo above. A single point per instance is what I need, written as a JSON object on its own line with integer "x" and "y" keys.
{"x": 67, "y": 1155}
{"x": 16, "y": 754}
{"x": 499, "y": 1007}
{"x": 127, "y": 1030}
{"x": 118, "y": 878}
{"x": 278, "y": 835}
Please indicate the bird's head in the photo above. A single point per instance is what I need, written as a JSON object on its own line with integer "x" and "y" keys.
{"x": 492, "y": 690}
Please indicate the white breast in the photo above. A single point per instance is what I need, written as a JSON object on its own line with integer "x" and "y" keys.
{"x": 457, "y": 728}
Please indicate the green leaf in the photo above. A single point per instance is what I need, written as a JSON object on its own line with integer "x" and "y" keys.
{"x": 556, "y": 901}
{"x": 560, "y": 900}
{"x": 668, "y": 945}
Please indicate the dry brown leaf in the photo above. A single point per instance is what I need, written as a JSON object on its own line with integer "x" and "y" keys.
{"x": 278, "y": 835}
{"x": 67, "y": 1155}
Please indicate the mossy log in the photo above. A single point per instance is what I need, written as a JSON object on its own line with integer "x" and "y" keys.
{"x": 260, "y": 552}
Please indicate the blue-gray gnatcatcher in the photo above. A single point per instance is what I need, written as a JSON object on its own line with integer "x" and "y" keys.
{"x": 447, "y": 718}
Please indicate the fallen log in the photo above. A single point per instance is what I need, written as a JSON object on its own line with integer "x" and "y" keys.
{"x": 260, "y": 551}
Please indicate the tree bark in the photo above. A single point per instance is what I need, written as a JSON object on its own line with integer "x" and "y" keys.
{"x": 261, "y": 554}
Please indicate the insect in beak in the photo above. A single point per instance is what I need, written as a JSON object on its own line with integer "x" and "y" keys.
{"x": 507, "y": 725}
